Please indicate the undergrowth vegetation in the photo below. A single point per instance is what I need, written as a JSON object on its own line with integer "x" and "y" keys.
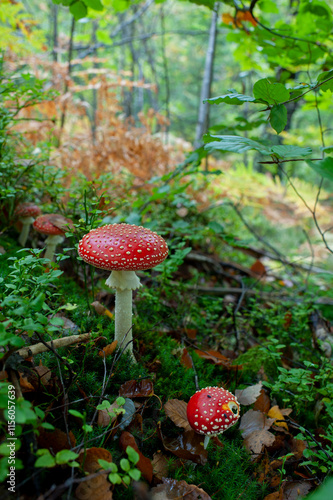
{"x": 241, "y": 302}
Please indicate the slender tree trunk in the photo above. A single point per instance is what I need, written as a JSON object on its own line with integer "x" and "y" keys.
{"x": 94, "y": 104}
{"x": 69, "y": 60}
{"x": 54, "y": 14}
{"x": 203, "y": 115}
{"x": 166, "y": 75}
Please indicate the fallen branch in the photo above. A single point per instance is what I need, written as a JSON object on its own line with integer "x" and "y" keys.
{"x": 32, "y": 350}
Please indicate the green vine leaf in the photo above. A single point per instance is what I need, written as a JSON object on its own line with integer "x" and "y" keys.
{"x": 278, "y": 117}
{"x": 272, "y": 93}
{"x": 232, "y": 98}
{"x": 323, "y": 167}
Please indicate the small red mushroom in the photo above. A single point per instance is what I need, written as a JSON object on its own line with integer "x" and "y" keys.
{"x": 211, "y": 411}
{"x": 123, "y": 249}
{"x": 26, "y": 213}
{"x": 54, "y": 226}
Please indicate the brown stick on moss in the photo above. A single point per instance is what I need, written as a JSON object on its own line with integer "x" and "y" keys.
{"x": 32, "y": 350}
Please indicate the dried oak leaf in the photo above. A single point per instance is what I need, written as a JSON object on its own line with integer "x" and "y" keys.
{"x": 254, "y": 426}
{"x": 188, "y": 446}
{"x": 249, "y": 395}
{"x": 160, "y": 465}
{"x": 144, "y": 464}
{"x": 176, "y": 411}
{"x": 97, "y": 487}
{"x": 108, "y": 349}
{"x": 215, "y": 357}
{"x": 172, "y": 489}
{"x": 137, "y": 389}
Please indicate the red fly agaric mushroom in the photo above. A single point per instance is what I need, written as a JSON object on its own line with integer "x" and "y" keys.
{"x": 26, "y": 213}
{"x": 123, "y": 249}
{"x": 211, "y": 411}
{"x": 54, "y": 226}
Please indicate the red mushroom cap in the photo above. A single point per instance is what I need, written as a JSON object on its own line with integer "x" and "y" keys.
{"x": 52, "y": 224}
{"x": 212, "y": 410}
{"x": 27, "y": 209}
{"x": 123, "y": 247}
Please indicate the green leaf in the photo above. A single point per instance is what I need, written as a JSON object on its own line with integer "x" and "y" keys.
{"x": 79, "y": 10}
{"x": 290, "y": 151}
{"x": 76, "y": 413}
{"x": 94, "y": 4}
{"x": 278, "y": 117}
{"x": 125, "y": 465}
{"x": 234, "y": 144}
{"x": 46, "y": 460}
{"x": 323, "y": 167}
{"x": 65, "y": 456}
{"x": 325, "y": 76}
{"x": 114, "y": 478}
{"x": 234, "y": 98}
{"x": 105, "y": 464}
{"x": 135, "y": 474}
{"x": 272, "y": 93}
{"x": 132, "y": 455}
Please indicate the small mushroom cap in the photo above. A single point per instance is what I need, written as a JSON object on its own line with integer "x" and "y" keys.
{"x": 212, "y": 410}
{"x": 27, "y": 209}
{"x": 52, "y": 224}
{"x": 123, "y": 247}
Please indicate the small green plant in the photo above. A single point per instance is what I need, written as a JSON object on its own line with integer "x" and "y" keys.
{"x": 63, "y": 457}
{"x": 128, "y": 470}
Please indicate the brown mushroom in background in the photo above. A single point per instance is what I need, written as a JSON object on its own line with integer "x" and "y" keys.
{"x": 54, "y": 226}
{"x": 26, "y": 213}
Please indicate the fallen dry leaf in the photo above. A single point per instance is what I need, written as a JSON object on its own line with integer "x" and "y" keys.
{"x": 254, "y": 426}
{"x": 295, "y": 490}
{"x": 215, "y": 357}
{"x": 188, "y": 445}
{"x": 249, "y": 395}
{"x": 108, "y": 349}
{"x": 144, "y": 464}
{"x": 97, "y": 487}
{"x": 105, "y": 417}
{"x": 137, "y": 389}
{"x": 172, "y": 489}
{"x": 254, "y": 421}
{"x": 276, "y": 414}
{"x": 263, "y": 402}
{"x": 56, "y": 440}
{"x": 186, "y": 359}
{"x": 160, "y": 465}
{"x": 176, "y": 411}
{"x": 258, "y": 268}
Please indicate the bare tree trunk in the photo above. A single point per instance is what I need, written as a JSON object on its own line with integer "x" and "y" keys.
{"x": 166, "y": 75}
{"x": 69, "y": 70}
{"x": 54, "y": 14}
{"x": 203, "y": 115}
{"x": 94, "y": 92}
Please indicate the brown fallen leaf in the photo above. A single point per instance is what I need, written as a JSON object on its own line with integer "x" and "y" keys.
{"x": 56, "y": 440}
{"x": 160, "y": 465}
{"x": 258, "y": 268}
{"x": 263, "y": 402}
{"x": 97, "y": 487}
{"x": 254, "y": 426}
{"x": 101, "y": 310}
{"x": 297, "y": 447}
{"x": 215, "y": 357}
{"x": 108, "y": 349}
{"x": 276, "y": 414}
{"x": 144, "y": 465}
{"x": 137, "y": 389}
{"x": 176, "y": 411}
{"x": 253, "y": 421}
{"x": 295, "y": 490}
{"x": 106, "y": 417}
{"x": 188, "y": 445}
{"x": 249, "y": 395}
{"x": 186, "y": 359}
{"x": 172, "y": 489}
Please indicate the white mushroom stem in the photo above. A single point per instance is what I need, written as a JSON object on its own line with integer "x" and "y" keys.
{"x": 206, "y": 441}
{"x": 51, "y": 242}
{"x": 26, "y": 222}
{"x": 124, "y": 282}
